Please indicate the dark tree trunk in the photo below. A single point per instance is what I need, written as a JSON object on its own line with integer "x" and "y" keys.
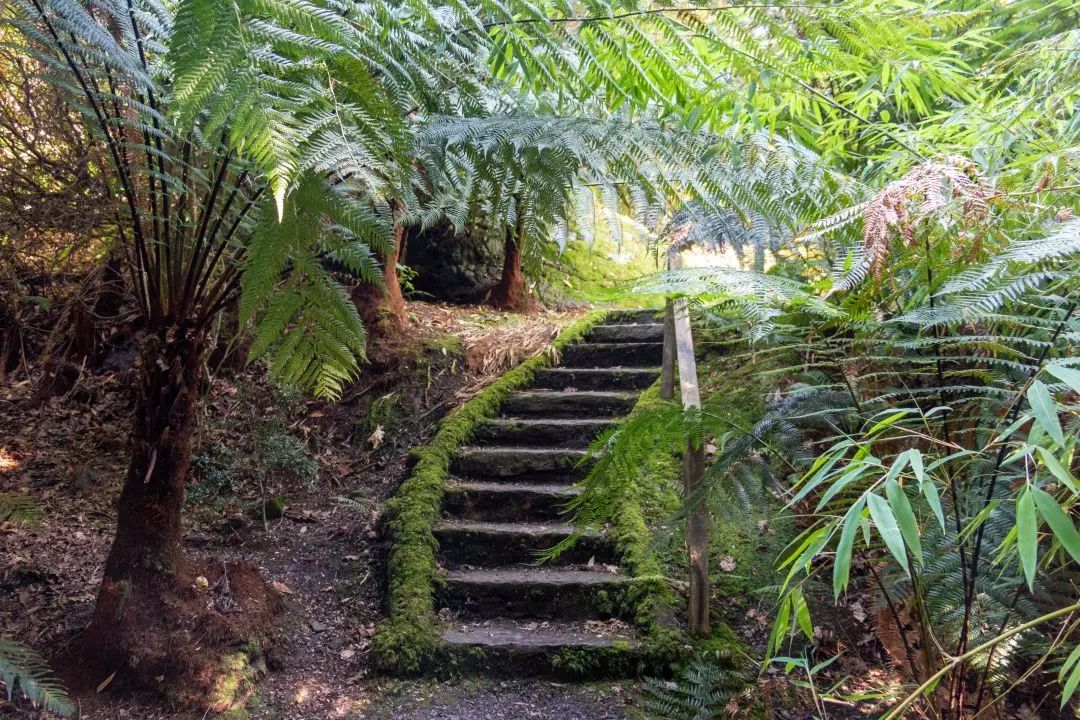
{"x": 148, "y": 532}
{"x": 383, "y": 311}
{"x": 146, "y": 566}
{"x": 510, "y": 292}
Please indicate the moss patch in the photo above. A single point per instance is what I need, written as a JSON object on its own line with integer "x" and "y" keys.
{"x": 234, "y": 688}
{"x": 596, "y": 272}
{"x": 409, "y": 638}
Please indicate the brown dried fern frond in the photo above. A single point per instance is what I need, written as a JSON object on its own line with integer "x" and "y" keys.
{"x": 932, "y": 189}
{"x": 951, "y": 185}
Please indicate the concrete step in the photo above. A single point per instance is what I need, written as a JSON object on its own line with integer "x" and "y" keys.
{"x": 534, "y": 592}
{"x": 490, "y": 544}
{"x": 586, "y": 403}
{"x": 596, "y": 378}
{"x": 530, "y": 647}
{"x": 627, "y": 333}
{"x": 566, "y": 432}
{"x": 507, "y": 502}
{"x": 507, "y": 462}
{"x": 613, "y": 355}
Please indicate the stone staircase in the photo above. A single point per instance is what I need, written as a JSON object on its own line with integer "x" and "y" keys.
{"x": 505, "y": 500}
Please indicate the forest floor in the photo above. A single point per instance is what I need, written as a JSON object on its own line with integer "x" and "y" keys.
{"x": 327, "y": 470}
{"x": 330, "y": 466}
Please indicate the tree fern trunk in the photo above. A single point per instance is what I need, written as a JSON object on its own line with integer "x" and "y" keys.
{"x": 383, "y": 310}
{"x": 510, "y": 293}
{"x": 148, "y": 532}
{"x": 146, "y": 567}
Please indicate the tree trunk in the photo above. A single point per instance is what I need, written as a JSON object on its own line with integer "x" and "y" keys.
{"x": 146, "y": 567}
{"x": 383, "y": 311}
{"x": 510, "y": 293}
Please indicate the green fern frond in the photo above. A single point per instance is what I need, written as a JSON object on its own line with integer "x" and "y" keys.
{"x": 23, "y": 670}
{"x": 18, "y": 508}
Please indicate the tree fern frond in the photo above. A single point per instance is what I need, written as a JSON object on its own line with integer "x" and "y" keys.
{"x": 22, "y": 669}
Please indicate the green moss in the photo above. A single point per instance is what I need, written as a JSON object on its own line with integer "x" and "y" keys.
{"x": 234, "y": 689}
{"x": 446, "y": 344}
{"x": 409, "y": 639}
{"x": 597, "y": 272}
{"x": 742, "y": 381}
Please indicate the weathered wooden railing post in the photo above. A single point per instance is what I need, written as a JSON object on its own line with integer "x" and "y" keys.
{"x": 667, "y": 366}
{"x": 679, "y": 346}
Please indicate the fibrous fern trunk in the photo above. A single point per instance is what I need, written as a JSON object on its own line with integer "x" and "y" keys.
{"x": 383, "y": 308}
{"x": 146, "y": 568}
{"x": 510, "y": 292}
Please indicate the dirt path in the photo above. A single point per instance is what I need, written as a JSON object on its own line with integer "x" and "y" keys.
{"x": 505, "y": 701}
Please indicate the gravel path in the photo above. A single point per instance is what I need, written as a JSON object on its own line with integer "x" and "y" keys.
{"x": 510, "y": 701}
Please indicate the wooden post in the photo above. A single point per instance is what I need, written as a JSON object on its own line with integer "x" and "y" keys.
{"x": 697, "y": 543}
{"x": 679, "y": 347}
{"x": 697, "y": 522}
{"x": 667, "y": 365}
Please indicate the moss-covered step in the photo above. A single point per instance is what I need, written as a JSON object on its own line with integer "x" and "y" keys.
{"x": 525, "y": 463}
{"x": 622, "y": 354}
{"x": 548, "y": 404}
{"x": 597, "y": 378}
{"x": 570, "y": 650}
{"x": 507, "y": 502}
{"x": 490, "y": 544}
{"x": 532, "y": 592}
{"x": 541, "y": 432}
{"x": 627, "y": 332}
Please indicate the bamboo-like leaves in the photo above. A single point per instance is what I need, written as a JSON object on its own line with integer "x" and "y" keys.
{"x": 1060, "y": 523}
{"x": 887, "y": 527}
{"x": 1027, "y": 531}
{"x": 842, "y": 562}
{"x": 1042, "y": 405}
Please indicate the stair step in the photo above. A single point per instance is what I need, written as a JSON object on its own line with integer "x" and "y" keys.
{"x": 524, "y": 634}
{"x": 566, "y": 432}
{"x": 642, "y": 316}
{"x": 491, "y": 544}
{"x": 549, "y": 404}
{"x": 613, "y": 355}
{"x": 507, "y": 502}
{"x": 627, "y": 333}
{"x": 526, "y": 647}
{"x": 597, "y": 378}
{"x": 534, "y": 592}
{"x": 506, "y": 462}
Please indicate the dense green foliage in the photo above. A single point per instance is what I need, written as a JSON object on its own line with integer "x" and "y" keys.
{"x": 704, "y": 689}
{"x": 930, "y": 429}
{"x": 904, "y": 175}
